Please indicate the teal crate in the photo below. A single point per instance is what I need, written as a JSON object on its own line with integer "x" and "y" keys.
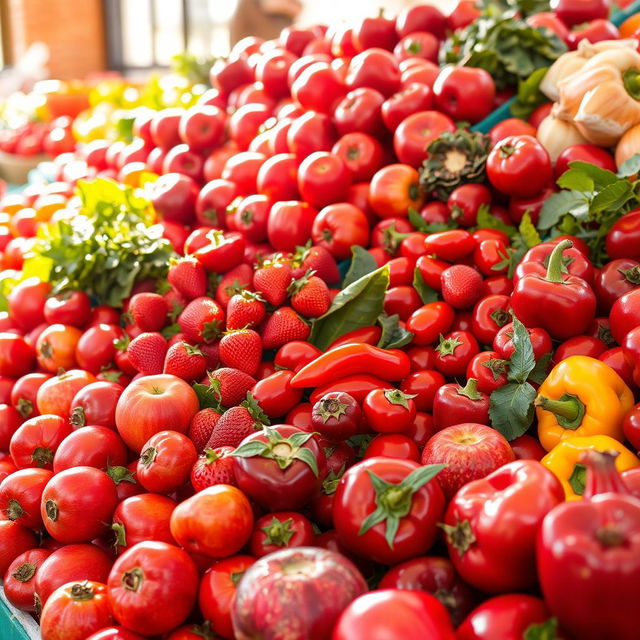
{"x": 14, "y": 624}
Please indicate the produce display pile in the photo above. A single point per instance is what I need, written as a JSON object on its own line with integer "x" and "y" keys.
{"x": 307, "y": 355}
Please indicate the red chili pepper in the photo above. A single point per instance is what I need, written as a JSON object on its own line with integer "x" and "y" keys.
{"x": 454, "y": 404}
{"x": 536, "y": 260}
{"x": 357, "y": 386}
{"x": 589, "y": 552}
{"x": 365, "y": 335}
{"x": 351, "y": 359}
{"x": 565, "y": 307}
{"x": 294, "y": 355}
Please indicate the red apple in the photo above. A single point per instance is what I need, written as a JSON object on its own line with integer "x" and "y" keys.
{"x": 95, "y": 154}
{"x": 470, "y": 451}
{"x": 213, "y": 97}
{"x": 174, "y": 197}
{"x": 164, "y": 128}
{"x": 227, "y": 75}
{"x": 181, "y": 159}
{"x": 155, "y": 160}
{"x": 214, "y": 164}
{"x": 203, "y": 126}
{"x": 142, "y": 124}
{"x": 135, "y": 151}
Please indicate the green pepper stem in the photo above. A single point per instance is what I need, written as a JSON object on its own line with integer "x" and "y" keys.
{"x": 554, "y": 270}
{"x": 470, "y": 390}
{"x": 568, "y": 409}
{"x": 631, "y": 81}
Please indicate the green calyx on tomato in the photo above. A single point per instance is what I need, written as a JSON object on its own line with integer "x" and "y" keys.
{"x": 25, "y": 572}
{"x": 284, "y": 451}
{"x": 500, "y": 317}
{"x": 278, "y": 532}
{"x": 497, "y": 366}
{"x": 631, "y": 275}
{"x": 447, "y": 346}
{"x": 395, "y": 396}
{"x": 568, "y": 409}
{"x": 14, "y": 509}
{"x": 82, "y": 591}
{"x": 132, "y": 580}
{"x": 331, "y": 408}
{"x": 470, "y": 390}
{"x": 394, "y": 501}
{"x": 459, "y": 535}
{"x": 42, "y": 456}
{"x": 120, "y": 474}
{"x": 120, "y": 535}
{"x": 330, "y": 483}
{"x": 547, "y": 630}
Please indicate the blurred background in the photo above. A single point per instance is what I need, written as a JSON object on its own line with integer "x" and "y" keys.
{"x": 82, "y": 37}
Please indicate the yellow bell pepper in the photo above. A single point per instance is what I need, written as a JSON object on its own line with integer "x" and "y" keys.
{"x": 562, "y": 461}
{"x": 581, "y": 396}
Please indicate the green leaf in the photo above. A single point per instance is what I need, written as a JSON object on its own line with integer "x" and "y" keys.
{"x": 613, "y": 196}
{"x": 522, "y": 361}
{"x": 528, "y": 231}
{"x": 357, "y": 306}
{"x": 362, "y": 263}
{"x": 206, "y": 396}
{"x": 511, "y": 409}
{"x": 486, "y": 220}
{"x": 251, "y": 449}
{"x": 630, "y": 167}
{"x": 420, "y": 224}
{"x": 540, "y": 372}
{"x": 306, "y": 456}
{"x": 576, "y": 180}
{"x": 547, "y": 630}
{"x": 600, "y": 177}
{"x": 529, "y": 96}
{"x": 393, "y": 335}
{"x": 578, "y": 479}
{"x": 426, "y": 293}
{"x": 559, "y": 204}
{"x": 421, "y": 476}
{"x": 298, "y": 439}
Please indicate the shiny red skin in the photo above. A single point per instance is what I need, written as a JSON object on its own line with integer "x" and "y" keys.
{"x": 393, "y": 445}
{"x": 358, "y": 386}
{"x": 450, "y": 407}
{"x": 509, "y": 616}
{"x": 318, "y": 87}
{"x": 251, "y": 216}
{"x": 290, "y": 224}
{"x": 429, "y": 322}
{"x": 419, "y": 44}
{"x": 434, "y": 575}
{"x": 413, "y": 98}
{"x": 217, "y": 592}
{"x": 338, "y": 227}
{"x": 213, "y": 200}
{"x": 527, "y": 447}
{"x": 35, "y": 442}
{"x": 332, "y": 427}
{"x": 77, "y": 504}
{"x": 26, "y": 303}
{"x": 395, "y": 613}
{"x": 277, "y": 177}
{"x": 470, "y": 451}
{"x": 70, "y": 563}
{"x": 16, "y": 356}
{"x": 283, "y": 489}
{"x": 355, "y": 500}
{"x": 464, "y": 203}
{"x": 625, "y": 315}
{"x": 569, "y": 540}
{"x": 614, "y": 279}
{"x": 490, "y": 314}
{"x": 299, "y": 526}
{"x": 425, "y": 385}
{"x": 431, "y": 268}
{"x": 91, "y": 446}
{"x": 295, "y": 354}
{"x": 522, "y": 172}
{"x": 540, "y": 341}
{"x": 115, "y": 633}
{"x": 296, "y": 593}
{"x": 622, "y": 239}
{"x": 630, "y": 426}
{"x": 169, "y": 582}
{"x": 465, "y": 93}
{"x": 174, "y": 197}
{"x": 375, "y": 32}
{"x": 505, "y": 511}
{"x": 616, "y": 360}
{"x": 532, "y": 205}
{"x": 501, "y": 285}
{"x": 584, "y": 153}
{"x": 359, "y": 111}
{"x": 490, "y": 375}
{"x": 10, "y": 421}
{"x": 401, "y": 301}
{"x": 310, "y": 132}
{"x": 579, "y": 346}
{"x": 20, "y": 495}
{"x": 362, "y": 154}
{"x": 455, "y": 364}
{"x": 72, "y": 309}
{"x": 242, "y": 169}
{"x": 572, "y": 13}
{"x": 450, "y": 245}
{"x": 374, "y": 68}
{"x": 510, "y": 127}
{"x": 323, "y": 178}
{"x": 14, "y": 540}
{"x": 384, "y": 416}
{"x": 18, "y": 590}
{"x": 275, "y": 395}
{"x": 142, "y": 517}
{"x": 95, "y": 404}
{"x": 95, "y": 349}
{"x": 534, "y": 261}
{"x": 416, "y": 132}
{"x": 394, "y": 189}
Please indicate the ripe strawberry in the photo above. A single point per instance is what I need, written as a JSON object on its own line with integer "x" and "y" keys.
{"x": 214, "y": 467}
{"x": 232, "y": 282}
{"x": 202, "y": 320}
{"x": 241, "y": 349}
{"x": 272, "y": 279}
{"x": 188, "y": 277}
{"x": 237, "y": 423}
{"x": 202, "y": 426}
{"x": 233, "y": 385}
{"x": 283, "y": 326}
{"x": 461, "y": 286}
{"x": 185, "y": 361}
{"x": 148, "y": 311}
{"x": 176, "y": 338}
{"x": 310, "y": 295}
{"x": 319, "y": 260}
{"x": 245, "y": 310}
{"x": 176, "y": 303}
{"x": 211, "y": 354}
{"x": 147, "y": 352}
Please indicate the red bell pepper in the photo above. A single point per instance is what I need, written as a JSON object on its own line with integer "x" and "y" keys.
{"x": 563, "y": 305}
{"x": 536, "y": 261}
{"x": 491, "y": 525}
{"x": 454, "y": 404}
{"x": 352, "y": 359}
{"x": 589, "y": 557}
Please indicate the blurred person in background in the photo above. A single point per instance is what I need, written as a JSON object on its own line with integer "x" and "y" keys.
{"x": 262, "y": 18}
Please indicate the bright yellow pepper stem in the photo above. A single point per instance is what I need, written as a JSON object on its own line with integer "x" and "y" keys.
{"x": 568, "y": 409}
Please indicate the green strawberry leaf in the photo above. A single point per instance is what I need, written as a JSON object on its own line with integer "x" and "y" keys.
{"x": 356, "y": 306}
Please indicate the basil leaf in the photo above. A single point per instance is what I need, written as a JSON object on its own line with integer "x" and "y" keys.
{"x": 600, "y": 177}
{"x": 613, "y": 196}
{"x": 511, "y": 409}
{"x": 558, "y": 205}
{"x": 541, "y": 370}
{"x": 357, "y": 306}
{"x": 393, "y": 335}
{"x": 362, "y": 263}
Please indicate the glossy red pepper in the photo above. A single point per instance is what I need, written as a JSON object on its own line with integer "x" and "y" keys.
{"x": 490, "y": 314}
{"x": 565, "y": 307}
{"x": 579, "y": 346}
{"x": 616, "y": 360}
{"x": 450, "y": 245}
{"x": 491, "y": 525}
{"x": 421, "y": 358}
{"x": 614, "y": 280}
{"x": 536, "y": 260}
{"x": 295, "y": 355}
{"x": 454, "y": 404}
{"x": 589, "y": 552}
{"x": 365, "y": 335}
{"x": 625, "y": 314}
{"x": 357, "y": 386}
{"x": 352, "y": 359}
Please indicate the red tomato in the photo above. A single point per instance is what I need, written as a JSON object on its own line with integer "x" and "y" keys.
{"x": 393, "y": 445}
{"x": 423, "y": 385}
{"x": 394, "y": 189}
{"x": 465, "y": 201}
{"x": 465, "y": 93}
{"x": 10, "y": 420}
{"x": 90, "y": 446}
{"x": 519, "y": 166}
{"x": 16, "y": 355}
{"x": 454, "y": 352}
{"x": 152, "y": 404}
{"x": 96, "y": 348}
{"x": 510, "y": 127}
{"x": 572, "y": 12}
{"x": 19, "y": 580}
{"x": 95, "y": 404}
{"x": 430, "y": 321}
{"x": 20, "y": 495}
{"x": 290, "y": 224}
{"x": 75, "y": 611}
{"x": 140, "y": 518}
{"x": 14, "y": 540}
{"x": 310, "y": 132}
{"x": 389, "y": 410}
{"x": 56, "y": 394}
{"x": 359, "y": 111}
{"x": 318, "y": 88}
{"x": 416, "y": 132}
{"x": 71, "y": 308}
{"x": 278, "y": 530}
{"x": 399, "y": 531}
{"x": 152, "y": 575}
{"x": 395, "y": 613}
{"x": 114, "y": 633}
{"x": 450, "y": 245}
{"x": 35, "y": 442}
{"x": 361, "y": 153}
{"x": 374, "y": 68}
{"x": 338, "y": 227}
{"x": 584, "y": 153}
{"x": 26, "y": 303}
{"x": 323, "y": 178}
{"x": 165, "y": 462}
{"x": 414, "y": 97}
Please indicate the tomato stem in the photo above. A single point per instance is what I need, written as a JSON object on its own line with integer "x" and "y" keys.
{"x": 554, "y": 270}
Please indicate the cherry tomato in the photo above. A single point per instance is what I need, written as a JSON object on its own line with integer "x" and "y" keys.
{"x": 540, "y": 342}
{"x": 413, "y": 98}
{"x": 490, "y": 314}
{"x": 465, "y": 93}
{"x": 394, "y": 190}
{"x": 584, "y": 153}
{"x": 362, "y": 154}
{"x": 454, "y": 352}
{"x": 423, "y": 385}
{"x": 465, "y": 201}
{"x": 489, "y": 370}
{"x": 389, "y": 410}
{"x": 393, "y": 445}
{"x": 450, "y": 245}
{"x": 336, "y": 416}
{"x": 416, "y": 132}
{"x": 430, "y": 321}
{"x": 279, "y": 530}
{"x": 96, "y": 348}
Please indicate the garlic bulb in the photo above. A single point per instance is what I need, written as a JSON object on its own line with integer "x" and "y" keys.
{"x": 556, "y": 135}
{"x": 566, "y": 65}
{"x": 628, "y": 145}
{"x": 573, "y": 88}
